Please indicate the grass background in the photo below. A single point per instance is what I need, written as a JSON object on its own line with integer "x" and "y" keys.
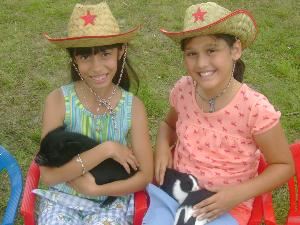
{"x": 30, "y": 68}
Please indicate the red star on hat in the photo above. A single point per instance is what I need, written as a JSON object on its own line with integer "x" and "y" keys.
{"x": 199, "y": 15}
{"x": 88, "y": 18}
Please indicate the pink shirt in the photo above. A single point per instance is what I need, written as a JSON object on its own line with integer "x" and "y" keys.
{"x": 218, "y": 148}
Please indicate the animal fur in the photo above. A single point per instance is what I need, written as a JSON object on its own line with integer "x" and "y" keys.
{"x": 184, "y": 188}
{"x": 60, "y": 146}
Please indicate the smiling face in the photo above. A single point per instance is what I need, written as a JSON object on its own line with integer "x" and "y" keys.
{"x": 98, "y": 65}
{"x": 209, "y": 61}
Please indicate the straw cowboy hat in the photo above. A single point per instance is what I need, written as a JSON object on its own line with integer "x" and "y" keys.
{"x": 211, "y": 18}
{"x": 93, "y": 25}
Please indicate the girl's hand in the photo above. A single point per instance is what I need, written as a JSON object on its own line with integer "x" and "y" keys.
{"x": 124, "y": 156}
{"x": 84, "y": 184}
{"x": 224, "y": 200}
{"x": 163, "y": 159}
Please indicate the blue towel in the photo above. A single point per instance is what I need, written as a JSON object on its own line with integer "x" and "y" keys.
{"x": 162, "y": 208}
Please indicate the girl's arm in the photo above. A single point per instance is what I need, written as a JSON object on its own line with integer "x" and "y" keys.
{"x": 141, "y": 147}
{"x": 274, "y": 146}
{"x": 166, "y": 138}
{"x": 53, "y": 116}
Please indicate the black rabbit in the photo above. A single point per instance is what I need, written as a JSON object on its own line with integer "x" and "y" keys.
{"x": 60, "y": 146}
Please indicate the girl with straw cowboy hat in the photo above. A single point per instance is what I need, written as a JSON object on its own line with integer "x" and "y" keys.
{"x": 97, "y": 104}
{"x": 220, "y": 125}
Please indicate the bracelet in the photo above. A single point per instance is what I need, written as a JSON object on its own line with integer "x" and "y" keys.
{"x": 79, "y": 160}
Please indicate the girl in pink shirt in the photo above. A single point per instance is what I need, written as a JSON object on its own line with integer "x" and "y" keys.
{"x": 221, "y": 126}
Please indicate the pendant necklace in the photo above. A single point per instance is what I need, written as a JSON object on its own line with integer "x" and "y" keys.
{"x": 212, "y": 101}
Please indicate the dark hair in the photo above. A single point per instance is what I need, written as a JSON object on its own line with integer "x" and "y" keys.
{"x": 129, "y": 73}
{"x": 239, "y": 70}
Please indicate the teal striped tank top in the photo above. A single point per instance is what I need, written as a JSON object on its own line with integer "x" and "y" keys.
{"x": 98, "y": 127}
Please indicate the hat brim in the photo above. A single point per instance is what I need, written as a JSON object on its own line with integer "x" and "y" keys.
{"x": 239, "y": 23}
{"x": 91, "y": 41}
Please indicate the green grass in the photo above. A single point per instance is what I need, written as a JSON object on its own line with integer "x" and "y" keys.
{"x": 30, "y": 68}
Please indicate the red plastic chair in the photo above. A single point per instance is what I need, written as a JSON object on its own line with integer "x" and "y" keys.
{"x": 28, "y": 201}
{"x": 294, "y": 188}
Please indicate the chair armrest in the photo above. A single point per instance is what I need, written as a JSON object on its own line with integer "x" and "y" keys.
{"x": 28, "y": 200}
{"x": 141, "y": 203}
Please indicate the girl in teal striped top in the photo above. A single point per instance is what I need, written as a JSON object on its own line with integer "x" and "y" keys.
{"x": 97, "y": 104}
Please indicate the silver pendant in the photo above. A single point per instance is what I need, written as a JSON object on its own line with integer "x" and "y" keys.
{"x": 212, "y": 103}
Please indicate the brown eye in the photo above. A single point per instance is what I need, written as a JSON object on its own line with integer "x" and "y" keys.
{"x": 106, "y": 53}
{"x": 84, "y": 57}
{"x": 210, "y": 51}
{"x": 190, "y": 54}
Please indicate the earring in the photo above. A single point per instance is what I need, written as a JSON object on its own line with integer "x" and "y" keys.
{"x": 123, "y": 64}
{"x": 233, "y": 68}
{"x": 77, "y": 70}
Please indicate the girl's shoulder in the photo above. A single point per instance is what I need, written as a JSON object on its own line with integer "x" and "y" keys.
{"x": 262, "y": 115}
{"x": 181, "y": 91}
{"x": 184, "y": 81}
{"x": 56, "y": 95}
{"x": 137, "y": 103}
{"x": 56, "y": 98}
{"x": 127, "y": 94}
{"x": 253, "y": 96}
{"x": 184, "y": 85}
{"x": 68, "y": 89}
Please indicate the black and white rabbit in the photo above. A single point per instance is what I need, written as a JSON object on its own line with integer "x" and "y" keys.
{"x": 185, "y": 190}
